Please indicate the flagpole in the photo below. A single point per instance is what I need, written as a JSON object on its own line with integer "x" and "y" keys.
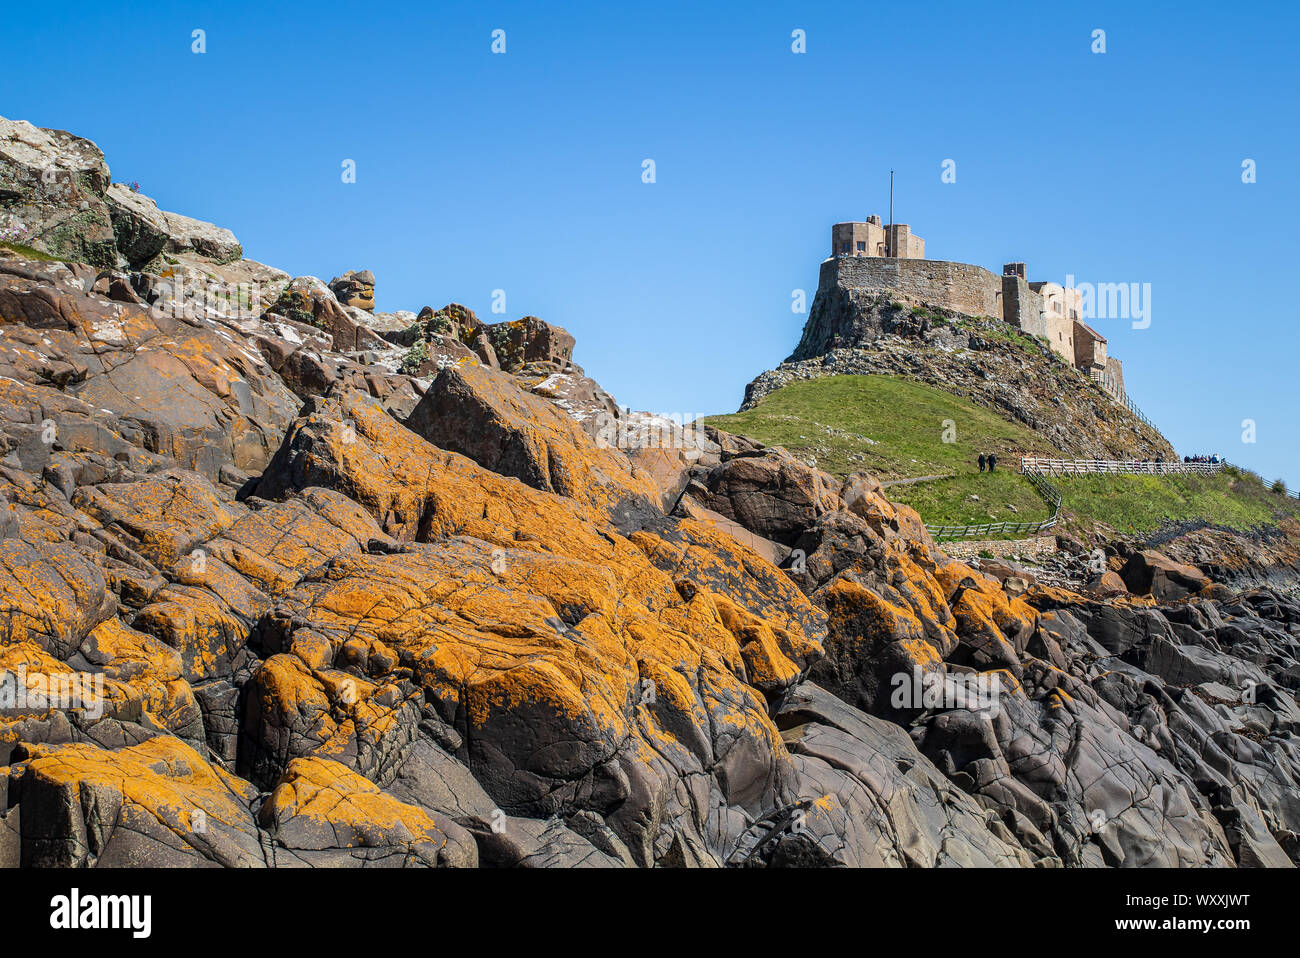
{"x": 892, "y": 251}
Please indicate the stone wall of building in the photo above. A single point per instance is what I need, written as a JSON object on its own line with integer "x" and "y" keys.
{"x": 1113, "y": 375}
{"x": 959, "y": 286}
{"x": 1031, "y": 312}
{"x": 857, "y": 239}
{"x": 1089, "y": 347}
{"x": 904, "y": 243}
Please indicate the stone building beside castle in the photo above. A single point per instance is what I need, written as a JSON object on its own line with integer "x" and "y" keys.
{"x": 890, "y": 258}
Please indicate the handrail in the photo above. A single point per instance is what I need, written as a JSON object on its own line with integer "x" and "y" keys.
{"x": 1117, "y": 393}
{"x": 981, "y": 530}
{"x": 1113, "y": 467}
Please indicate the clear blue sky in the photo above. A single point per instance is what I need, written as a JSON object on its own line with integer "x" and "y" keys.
{"x": 522, "y": 171}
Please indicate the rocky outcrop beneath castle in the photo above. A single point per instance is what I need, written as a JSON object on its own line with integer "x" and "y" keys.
{"x": 848, "y": 288}
{"x": 981, "y": 360}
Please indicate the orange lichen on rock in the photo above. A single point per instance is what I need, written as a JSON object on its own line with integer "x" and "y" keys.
{"x": 160, "y": 795}
{"x": 164, "y": 515}
{"x": 152, "y": 671}
{"x": 320, "y": 805}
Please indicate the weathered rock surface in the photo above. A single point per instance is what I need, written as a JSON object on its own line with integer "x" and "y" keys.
{"x": 355, "y": 289}
{"x": 53, "y": 184}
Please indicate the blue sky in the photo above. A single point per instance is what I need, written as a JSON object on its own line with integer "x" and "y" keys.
{"x": 522, "y": 171}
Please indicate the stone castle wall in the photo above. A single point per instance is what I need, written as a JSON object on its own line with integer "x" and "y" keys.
{"x": 959, "y": 286}
{"x": 1036, "y": 317}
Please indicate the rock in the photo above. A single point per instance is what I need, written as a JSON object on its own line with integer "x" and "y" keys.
{"x": 308, "y": 301}
{"x": 530, "y": 340}
{"x": 155, "y": 804}
{"x": 269, "y": 600}
{"x": 1150, "y": 573}
{"x": 323, "y": 814}
{"x": 773, "y": 495}
{"x": 485, "y": 415}
{"x": 1108, "y": 583}
{"x": 53, "y": 183}
{"x": 141, "y": 230}
{"x": 355, "y": 289}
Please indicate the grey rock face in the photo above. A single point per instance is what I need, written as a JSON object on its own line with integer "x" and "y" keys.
{"x": 53, "y": 184}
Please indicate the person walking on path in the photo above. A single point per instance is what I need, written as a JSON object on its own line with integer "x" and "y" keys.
{"x": 982, "y": 461}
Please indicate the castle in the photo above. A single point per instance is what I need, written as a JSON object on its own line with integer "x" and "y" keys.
{"x": 891, "y": 258}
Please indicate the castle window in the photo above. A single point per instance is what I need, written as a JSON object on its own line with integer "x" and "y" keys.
{"x": 844, "y": 247}
{"x": 862, "y": 246}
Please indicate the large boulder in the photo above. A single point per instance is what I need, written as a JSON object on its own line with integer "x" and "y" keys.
{"x": 355, "y": 289}
{"x": 530, "y": 340}
{"x": 140, "y": 228}
{"x": 1151, "y": 573}
{"x": 52, "y": 184}
{"x": 485, "y": 415}
{"x": 772, "y": 494}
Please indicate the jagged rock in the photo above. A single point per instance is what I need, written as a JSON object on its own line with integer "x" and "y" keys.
{"x": 323, "y": 814}
{"x": 143, "y": 231}
{"x": 485, "y": 415}
{"x": 355, "y": 289}
{"x": 309, "y": 301}
{"x": 530, "y": 340}
{"x": 773, "y": 495}
{"x": 53, "y": 183}
{"x": 1150, "y": 573}
{"x": 154, "y": 804}
{"x": 140, "y": 229}
{"x": 318, "y": 611}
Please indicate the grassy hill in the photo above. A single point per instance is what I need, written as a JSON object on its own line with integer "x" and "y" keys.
{"x": 896, "y": 429}
{"x": 1139, "y": 504}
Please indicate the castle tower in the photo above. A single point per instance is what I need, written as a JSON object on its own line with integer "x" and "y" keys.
{"x": 872, "y": 238}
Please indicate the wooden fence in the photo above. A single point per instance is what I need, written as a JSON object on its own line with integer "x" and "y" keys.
{"x": 1020, "y": 529}
{"x": 1114, "y": 467}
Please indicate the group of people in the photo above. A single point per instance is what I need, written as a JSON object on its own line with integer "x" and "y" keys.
{"x": 1213, "y": 460}
{"x": 988, "y": 461}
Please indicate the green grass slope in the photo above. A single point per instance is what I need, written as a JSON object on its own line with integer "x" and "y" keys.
{"x": 896, "y": 429}
{"x": 1140, "y": 504}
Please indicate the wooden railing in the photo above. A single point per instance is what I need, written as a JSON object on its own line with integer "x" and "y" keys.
{"x": 1114, "y": 467}
{"x": 1117, "y": 392}
{"x": 1019, "y": 529}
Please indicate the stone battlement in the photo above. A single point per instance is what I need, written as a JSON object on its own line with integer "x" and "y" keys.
{"x": 959, "y": 286}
